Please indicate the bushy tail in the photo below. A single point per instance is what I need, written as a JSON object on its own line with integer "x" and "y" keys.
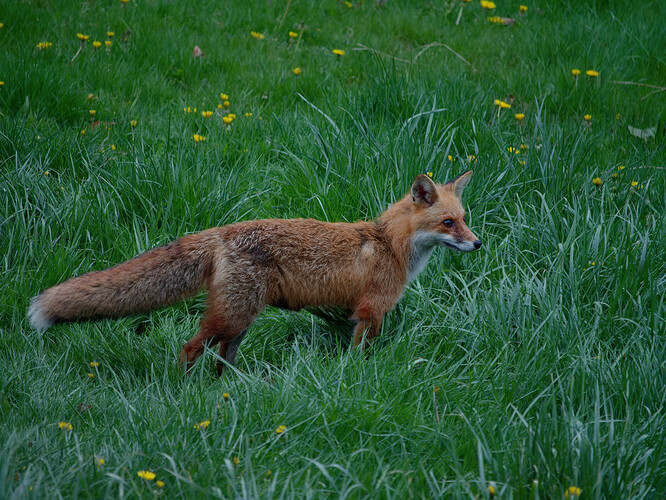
{"x": 159, "y": 277}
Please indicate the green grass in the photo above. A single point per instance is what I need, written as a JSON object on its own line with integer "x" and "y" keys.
{"x": 536, "y": 364}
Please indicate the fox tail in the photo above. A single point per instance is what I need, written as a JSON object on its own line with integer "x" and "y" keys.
{"x": 160, "y": 277}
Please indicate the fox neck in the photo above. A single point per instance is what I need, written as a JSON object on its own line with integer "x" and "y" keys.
{"x": 411, "y": 247}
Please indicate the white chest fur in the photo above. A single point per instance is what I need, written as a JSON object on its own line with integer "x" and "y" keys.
{"x": 422, "y": 243}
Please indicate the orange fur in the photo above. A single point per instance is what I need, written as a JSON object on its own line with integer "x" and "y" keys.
{"x": 362, "y": 267}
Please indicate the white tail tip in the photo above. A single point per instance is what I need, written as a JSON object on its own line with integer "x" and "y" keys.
{"x": 38, "y": 318}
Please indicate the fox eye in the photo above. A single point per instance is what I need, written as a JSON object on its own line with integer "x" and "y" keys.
{"x": 448, "y": 223}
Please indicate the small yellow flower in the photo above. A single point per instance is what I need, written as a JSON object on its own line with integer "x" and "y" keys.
{"x": 226, "y": 120}
{"x": 226, "y": 394}
{"x": 83, "y": 132}
{"x": 281, "y": 429}
{"x": 2, "y": 25}
{"x": 219, "y": 106}
{"x": 522, "y": 162}
{"x": 108, "y": 43}
{"x": 44, "y": 45}
{"x": 614, "y": 175}
{"x": 232, "y": 116}
{"x": 226, "y": 104}
{"x": 429, "y": 174}
{"x": 97, "y": 44}
{"x": 160, "y": 484}
{"x": 124, "y": 1}
{"x": 523, "y": 8}
{"x": 82, "y": 37}
{"x": 236, "y": 461}
{"x": 575, "y": 72}
{"x": 91, "y": 376}
{"x": 2, "y": 84}
{"x": 588, "y": 118}
{"x": 247, "y": 115}
{"x": 113, "y": 147}
{"x": 146, "y": 474}
{"x": 198, "y": 138}
{"x": 491, "y": 490}
{"x": 133, "y": 123}
{"x": 93, "y": 112}
{"x": 472, "y": 158}
{"x": 90, "y": 97}
{"x": 572, "y": 492}
{"x": 224, "y": 97}
{"x": 636, "y": 185}
{"x": 293, "y": 34}
{"x": 297, "y": 71}
{"x": 451, "y": 159}
{"x": 349, "y": 4}
{"x": 620, "y": 167}
{"x": 520, "y": 117}
{"x": 258, "y": 36}
{"x": 65, "y": 426}
{"x": 617, "y": 116}
{"x": 488, "y": 5}
{"x": 99, "y": 462}
{"x": 524, "y": 147}
{"x": 339, "y": 52}
{"x": 47, "y": 173}
{"x": 511, "y": 149}
{"x": 592, "y": 73}
{"x": 502, "y": 104}
{"x": 206, "y": 114}
{"x": 202, "y": 425}
{"x": 110, "y": 34}
{"x": 597, "y": 181}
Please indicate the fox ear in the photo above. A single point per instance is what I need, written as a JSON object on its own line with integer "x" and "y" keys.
{"x": 458, "y": 184}
{"x": 424, "y": 191}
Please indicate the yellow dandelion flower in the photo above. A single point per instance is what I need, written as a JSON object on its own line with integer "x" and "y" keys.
{"x": 160, "y": 484}
{"x": 297, "y": 71}
{"x": 226, "y": 394}
{"x": 146, "y": 474}
{"x": 247, "y": 115}
{"x": 99, "y": 462}
{"x": 522, "y": 162}
{"x": 82, "y": 37}
{"x": 488, "y": 5}
{"x": 133, "y": 123}
{"x": 592, "y": 73}
{"x": 505, "y": 105}
{"x": 281, "y": 429}
{"x": 83, "y": 132}
{"x": 523, "y": 8}
{"x": 524, "y": 147}
{"x": 338, "y": 52}
{"x": 124, "y": 1}
{"x": 466, "y": 1}
{"x": 91, "y": 97}
{"x": 198, "y": 138}
{"x": 429, "y": 174}
{"x": 227, "y": 120}
{"x": 113, "y": 147}
{"x": 108, "y": 43}
{"x": 575, "y": 72}
{"x": 572, "y": 492}
{"x": 2, "y": 84}
{"x": 47, "y": 173}
{"x": 620, "y": 167}
{"x": 451, "y": 159}
{"x": 219, "y": 106}
{"x": 202, "y": 425}
{"x": 472, "y": 158}
{"x": 236, "y": 461}
{"x": 93, "y": 112}
{"x": 617, "y": 116}
{"x": 96, "y": 44}
{"x": 232, "y": 116}
{"x": 597, "y": 181}
{"x": 491, "y": 490}
{"x": 2, "y": 25}
{"x": 110, "y": 34}
{"x": 206, "y": 114}
{"x": 224, "y": 97}
{"x": 293, "y": 34}
{"x": 258, "y": 36}
{"x": 91, "y": 375}
{"x": 44, "y": 45}
{"x": 226, "y": 104}
{"x": 587, "y": 118}
{"x": 349, "y": 4}
{"x": 520, "y": 116}
{"x": 613, "y": 175}
{"x": 65, "y": 426}
{"x": 511, "y": 149}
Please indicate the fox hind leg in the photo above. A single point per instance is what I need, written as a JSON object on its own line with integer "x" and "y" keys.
{"x": 228, "y": 351}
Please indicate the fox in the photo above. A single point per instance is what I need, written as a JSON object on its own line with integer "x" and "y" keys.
{"x": 361, "y": 267}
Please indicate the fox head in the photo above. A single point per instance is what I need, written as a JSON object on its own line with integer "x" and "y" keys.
{"x": 439, "y": 214}
{"x": 437, "y": 219}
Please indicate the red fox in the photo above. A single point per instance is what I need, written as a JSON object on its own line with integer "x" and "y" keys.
{"x": 362, "y": 267}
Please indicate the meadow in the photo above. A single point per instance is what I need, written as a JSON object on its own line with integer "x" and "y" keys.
{"x": 533, "y": 368}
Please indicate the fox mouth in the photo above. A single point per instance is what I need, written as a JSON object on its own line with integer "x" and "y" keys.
{"x": 464, "y": 247}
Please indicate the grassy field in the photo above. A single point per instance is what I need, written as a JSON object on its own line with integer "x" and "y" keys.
{"x": 534, "y": 368}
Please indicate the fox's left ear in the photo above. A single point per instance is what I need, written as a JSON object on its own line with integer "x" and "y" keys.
{"x": 460, "y": 182}
{"x": 424, "y": 191}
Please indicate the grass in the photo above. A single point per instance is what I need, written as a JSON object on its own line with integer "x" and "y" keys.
{"x": 534, "y": 365}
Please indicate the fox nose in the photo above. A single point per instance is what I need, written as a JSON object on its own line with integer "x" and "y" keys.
{"x": 477, "y": 244}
